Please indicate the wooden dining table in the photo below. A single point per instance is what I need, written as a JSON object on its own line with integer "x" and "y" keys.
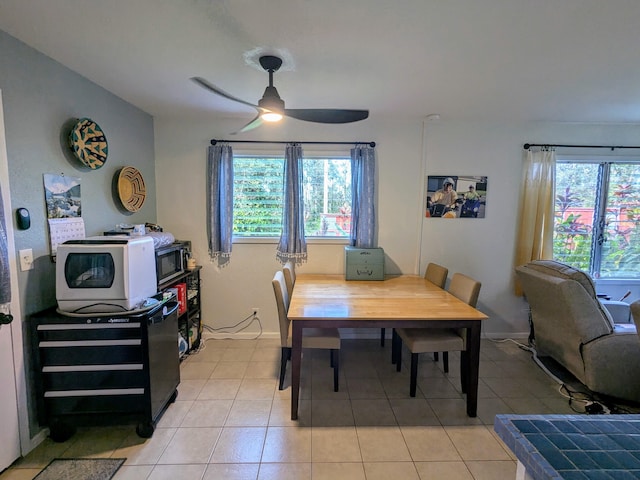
{"x": 402, "y": 301}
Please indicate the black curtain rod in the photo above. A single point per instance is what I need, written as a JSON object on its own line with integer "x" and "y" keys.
{"x": 612, "y": 147}
{"x": 214, "y": 141}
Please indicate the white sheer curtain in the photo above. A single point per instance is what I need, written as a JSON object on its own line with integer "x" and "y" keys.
{"x": 292, "y": 245}
{"x": 220, "y": 202}
{"x": 535, "y": 234}
{"x": 363, "y": 197}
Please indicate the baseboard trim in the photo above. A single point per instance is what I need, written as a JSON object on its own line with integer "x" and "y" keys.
{"x": 499, "y": 336}
{"x": 34, "y": 441}
{"x": 240, "y": 336}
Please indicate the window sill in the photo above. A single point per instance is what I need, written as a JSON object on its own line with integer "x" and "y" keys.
{"x": 617, "y": 281}
{"x": 275, "y": 240}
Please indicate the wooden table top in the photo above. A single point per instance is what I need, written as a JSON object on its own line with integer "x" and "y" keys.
{"x": 403, "y": 297}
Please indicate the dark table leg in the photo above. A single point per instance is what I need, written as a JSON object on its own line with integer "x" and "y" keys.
{"x": 296, "y": 359}
{"x": 473, "y": 367}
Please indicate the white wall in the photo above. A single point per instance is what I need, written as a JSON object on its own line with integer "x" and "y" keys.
{"x": 230, "y": 293}
{"x": 406, "y": 151}
{"x": 485, "y": 249}
{"x": 481, "y": 248}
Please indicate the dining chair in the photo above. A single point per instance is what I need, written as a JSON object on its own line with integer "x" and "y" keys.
{"x": 436, "y": 274}
{"x": 289, "y": 271}
{"x": 422, "y": 340}
{"x": 325, "y": 338}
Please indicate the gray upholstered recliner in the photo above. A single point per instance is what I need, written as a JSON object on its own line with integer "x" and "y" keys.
{"x": 571, "y": 326}
{"x": 635, "y": 313}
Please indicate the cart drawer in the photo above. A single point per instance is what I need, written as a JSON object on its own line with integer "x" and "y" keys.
{"x": 89, "y": 377}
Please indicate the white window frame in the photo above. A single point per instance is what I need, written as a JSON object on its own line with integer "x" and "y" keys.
{"x": 599, "y": 158}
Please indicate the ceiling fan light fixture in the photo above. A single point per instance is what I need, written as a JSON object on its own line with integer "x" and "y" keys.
{"x": 272, "y": 105}
{"x": 271, "y": 116}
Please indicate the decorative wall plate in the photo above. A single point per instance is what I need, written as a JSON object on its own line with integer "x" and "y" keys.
{"x": 88, "y": 143}
{"x": 131, "y": 189}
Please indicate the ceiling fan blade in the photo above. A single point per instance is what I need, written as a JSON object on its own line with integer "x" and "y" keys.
{"x": 255, "y": 123}
{"x": 326, "y": 115}
{"x": 212, "y": 88}
{"x": 271, "y": 102}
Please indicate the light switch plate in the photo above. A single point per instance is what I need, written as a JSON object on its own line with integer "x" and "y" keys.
{"x": 26, "y": 259}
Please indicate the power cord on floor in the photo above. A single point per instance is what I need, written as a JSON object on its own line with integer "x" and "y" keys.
{"x": 237, "y": 328}
{"x": 590, "y": 404}
{"x": 211, "y": 330}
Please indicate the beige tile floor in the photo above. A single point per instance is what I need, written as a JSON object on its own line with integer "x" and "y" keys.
{"x": 230, "y": 421}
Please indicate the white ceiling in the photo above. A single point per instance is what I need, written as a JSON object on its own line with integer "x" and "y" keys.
{"x": 546, "y": 60}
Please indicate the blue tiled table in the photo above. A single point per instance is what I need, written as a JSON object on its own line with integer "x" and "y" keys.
{"x": 573, "y": 447}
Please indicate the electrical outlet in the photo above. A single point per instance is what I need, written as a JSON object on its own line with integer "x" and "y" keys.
{"x": 256, "y": 310}
{"x": 26, "y": 259}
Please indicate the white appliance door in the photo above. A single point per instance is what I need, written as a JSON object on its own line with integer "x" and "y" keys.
{"x": 9, "y": 425}
{"x": 9, "y": 433}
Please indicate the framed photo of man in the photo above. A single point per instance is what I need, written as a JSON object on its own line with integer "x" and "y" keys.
{"x": 455, "y": 196}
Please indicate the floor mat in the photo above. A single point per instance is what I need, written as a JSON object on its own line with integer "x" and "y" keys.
{"x": 81, "y": 469}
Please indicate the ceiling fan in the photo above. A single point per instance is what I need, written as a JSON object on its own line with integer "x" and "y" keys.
{"x": 271, "y": 107}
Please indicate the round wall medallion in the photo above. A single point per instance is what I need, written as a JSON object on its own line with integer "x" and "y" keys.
{"x": 88, "y": 143}
{"x": 131, "y": 189}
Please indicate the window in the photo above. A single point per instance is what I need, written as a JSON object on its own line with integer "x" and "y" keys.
{"x": 257, "y": 196}
{"x": 597, "y": 217}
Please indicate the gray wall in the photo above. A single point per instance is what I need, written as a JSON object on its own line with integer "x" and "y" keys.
{"x": 41, "y": 98}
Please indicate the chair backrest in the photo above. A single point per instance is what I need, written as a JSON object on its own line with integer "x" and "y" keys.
{"x": 289, "y": 271}
{"x": 562, "y": 270}
{"x": 565, "y": 317}
{"x": 436, "y": 274}
{"x": 465, "y": 288}
{"x": 282, "y": 302}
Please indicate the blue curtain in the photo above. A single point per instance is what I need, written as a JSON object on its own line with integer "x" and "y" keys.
{"x": 363, "y": 211}
{"x": 220, "y": 202}
{"x": 292, "y": 245}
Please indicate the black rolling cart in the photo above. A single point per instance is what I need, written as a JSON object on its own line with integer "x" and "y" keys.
{"x": 105, "y": 368}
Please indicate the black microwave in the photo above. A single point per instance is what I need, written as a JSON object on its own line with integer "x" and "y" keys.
{"x": 170, "y": 262}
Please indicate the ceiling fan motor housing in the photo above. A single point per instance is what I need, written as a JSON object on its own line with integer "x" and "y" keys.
{"x": 270, "y": 63}
{"x": 271, "y": 100}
